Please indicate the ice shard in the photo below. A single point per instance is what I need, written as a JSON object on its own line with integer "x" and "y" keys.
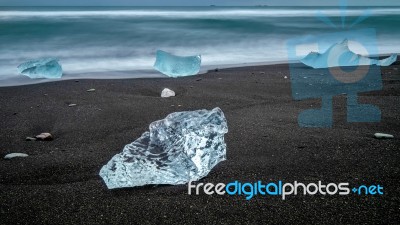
{"x": 177, "y": 66}
{"x": 41, "y": 68}
{"x": 182, "y": 147}
{"x": 340, "y": 55}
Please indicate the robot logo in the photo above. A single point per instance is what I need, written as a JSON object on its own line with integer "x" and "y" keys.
{"x": 335, "y": 77}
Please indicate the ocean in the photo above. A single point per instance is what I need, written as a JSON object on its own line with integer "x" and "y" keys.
{"x": 120, "y": 42}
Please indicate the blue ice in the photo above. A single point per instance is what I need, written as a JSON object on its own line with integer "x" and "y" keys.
{"x": 177, "y": 66}
{"x": 41, "y": 68}
{"x": 340, "y": 55}
{"x": 182, "y": 147}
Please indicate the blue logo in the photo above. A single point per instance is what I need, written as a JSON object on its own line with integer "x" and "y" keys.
{"x": 282, "y": 189}
{"x": 332, "y": 75}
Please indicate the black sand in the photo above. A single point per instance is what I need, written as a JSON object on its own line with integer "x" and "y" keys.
{"x": 59, "y": 184}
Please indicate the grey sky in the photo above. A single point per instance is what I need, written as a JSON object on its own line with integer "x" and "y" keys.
{"x": 193, "y": 3}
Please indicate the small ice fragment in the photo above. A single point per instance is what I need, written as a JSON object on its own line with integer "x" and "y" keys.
{"x": 166, "y": 93}
{"x": 91, "y": 90}
{"x": 383, "y": 136}
{"x": 182, "y": 147}
{"x": 41, "y": 68}
{"x": 177, "y": 66}
{"x": 14, "y": 155}
{"x": 340, "y": 55}
{"x": 285, "y": 77}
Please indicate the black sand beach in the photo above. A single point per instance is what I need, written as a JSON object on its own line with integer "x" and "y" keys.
{"x": 59, "y": 184}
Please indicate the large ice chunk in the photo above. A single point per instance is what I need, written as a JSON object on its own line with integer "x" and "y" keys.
{"x": 340, "y": 55}
{"x": 182, "y": 147}
{"x": 177, "y": 66}
{"x": 41, "y": 68}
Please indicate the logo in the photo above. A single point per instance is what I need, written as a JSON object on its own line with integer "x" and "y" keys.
{"x": 250, "y": 190}
{"x": 334, "y": 77}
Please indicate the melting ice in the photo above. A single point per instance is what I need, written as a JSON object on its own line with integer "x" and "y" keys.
{"x": 182, "y": 147}
{"x": 41, "y": 68}
{"x": 340, "y": 55}
{"x": 177, "y": 66}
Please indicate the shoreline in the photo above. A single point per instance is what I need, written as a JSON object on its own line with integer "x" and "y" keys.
{"x": 149, "y": 74}
{"x": 58, "y": 183}
{"x": 124, "y": 75}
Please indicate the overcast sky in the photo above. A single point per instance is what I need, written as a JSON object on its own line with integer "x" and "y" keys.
{"x": 193, "y": 3}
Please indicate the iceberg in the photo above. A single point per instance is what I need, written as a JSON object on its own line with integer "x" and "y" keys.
{"x": 41, "y": 68}
{"x": 177, "y": 66}
{"x": 340, "y": 55}
{"x": 183, "y": 147}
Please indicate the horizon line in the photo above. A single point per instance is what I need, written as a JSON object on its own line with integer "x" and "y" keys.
{"x": 255, "y": 5}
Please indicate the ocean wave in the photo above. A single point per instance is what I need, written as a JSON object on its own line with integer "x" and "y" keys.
{"x": 194, "y": 14}
{"x": 97, "y": 45}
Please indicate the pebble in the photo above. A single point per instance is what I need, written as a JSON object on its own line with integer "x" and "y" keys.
{"x": 30, "y": 139}
{"x": 166, "y": 93}
{"x": 44, "y": 137}
{"x": 14, "y": 155}
{"x": 383, "y": 136}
